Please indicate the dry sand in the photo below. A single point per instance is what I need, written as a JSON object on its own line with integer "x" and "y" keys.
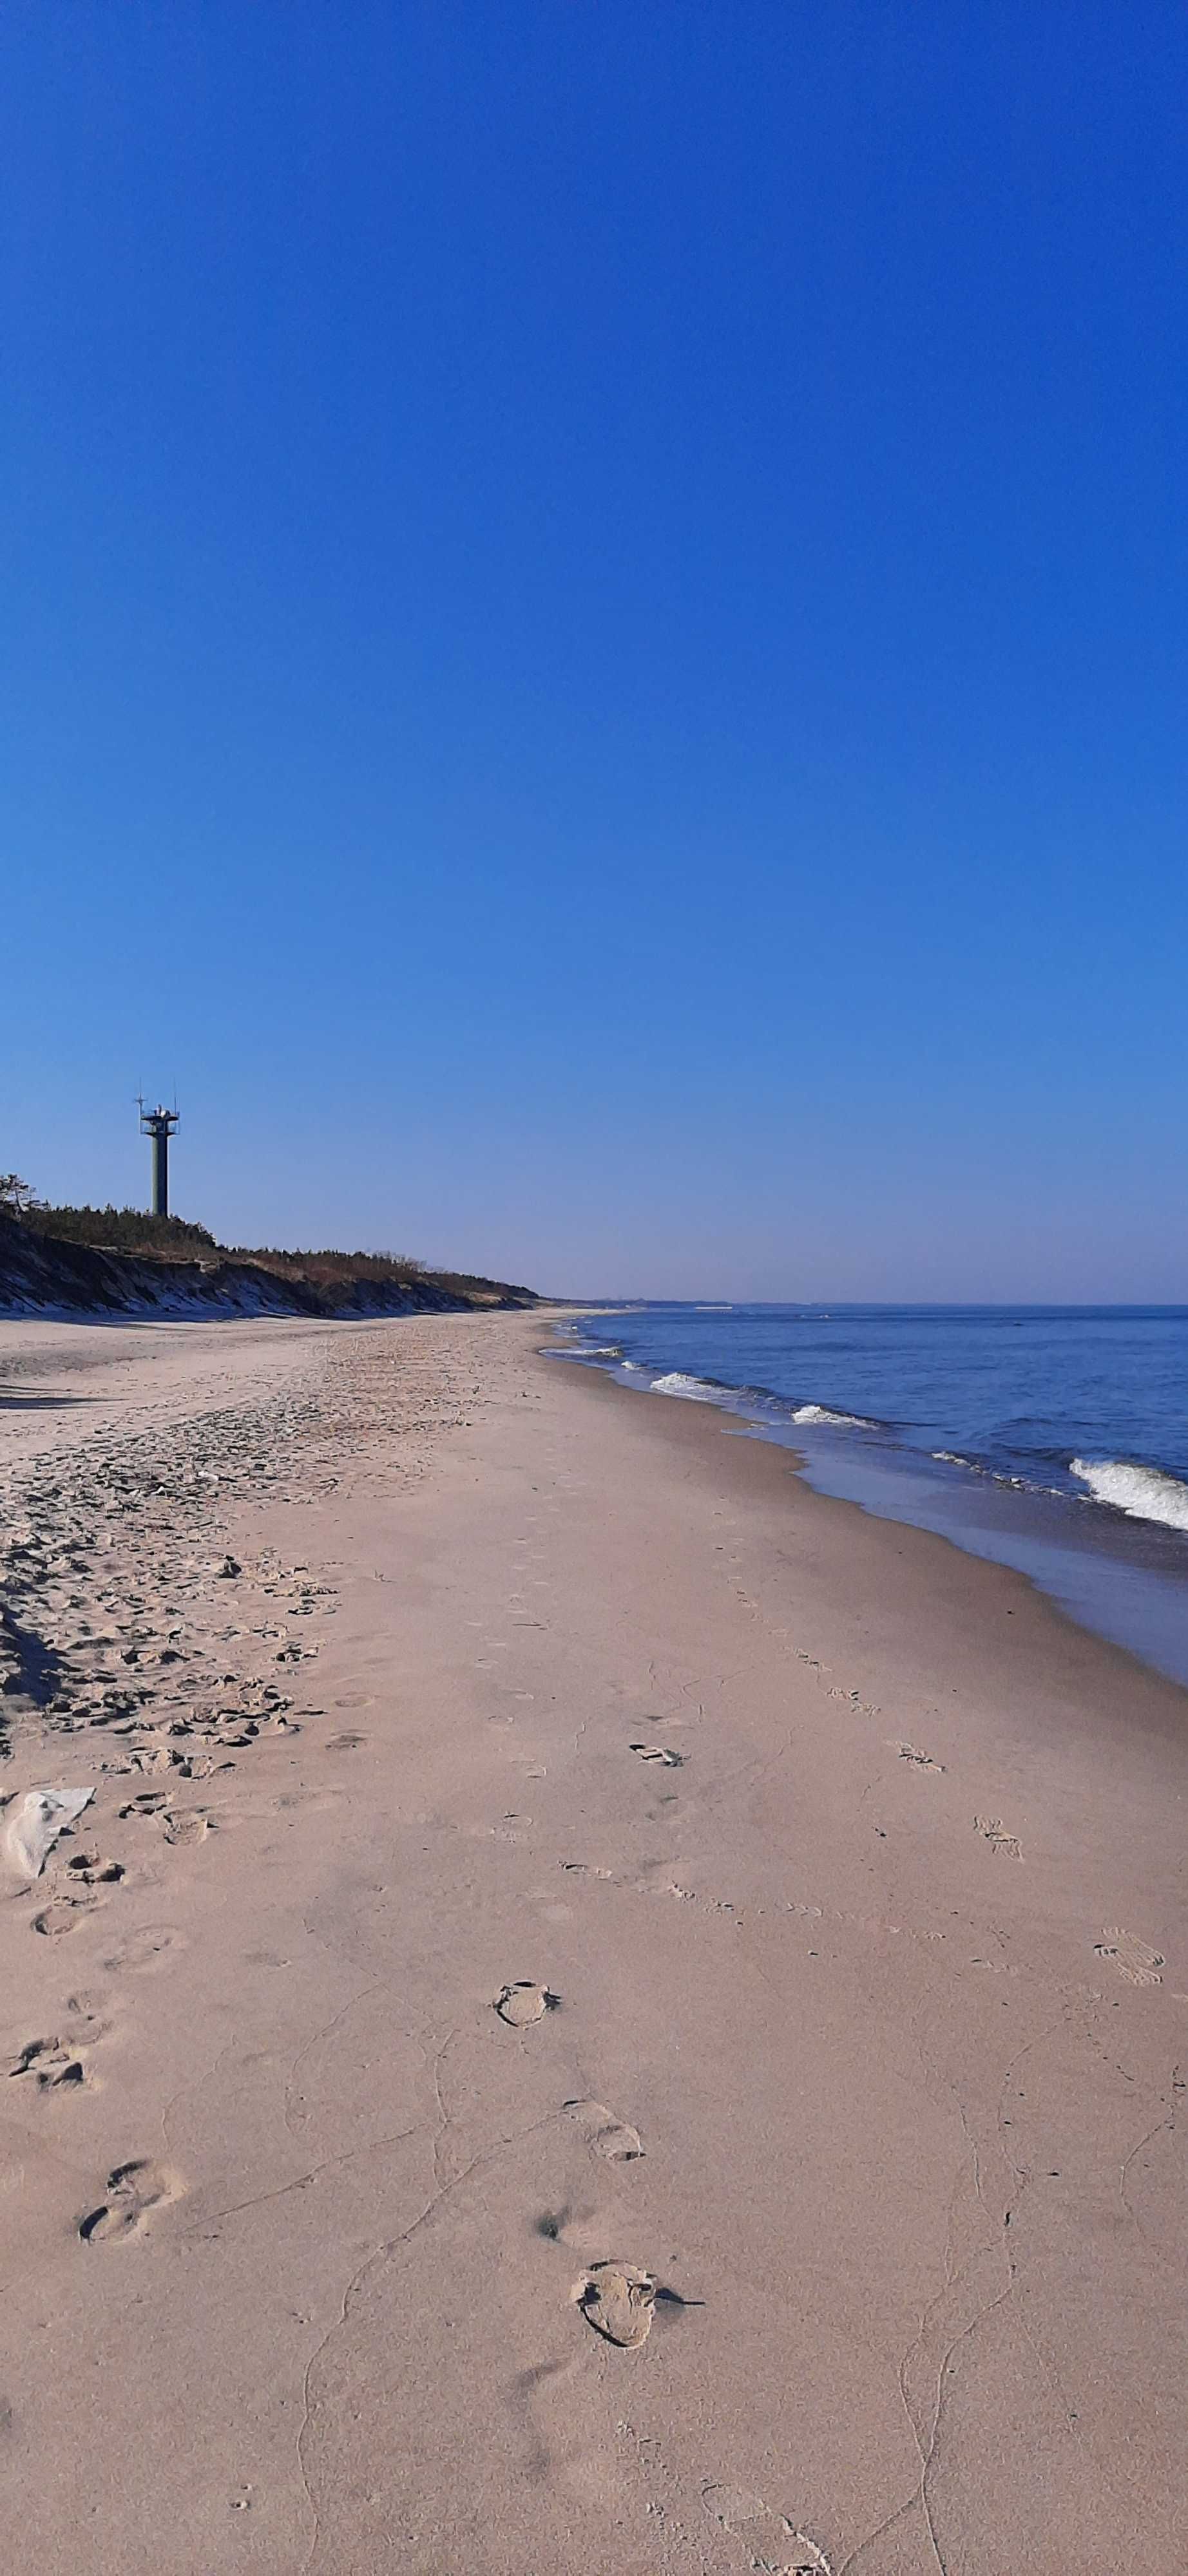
{"x": 606, "y": 2013}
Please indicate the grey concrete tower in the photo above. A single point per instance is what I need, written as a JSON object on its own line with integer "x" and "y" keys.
{"x": 159, "y": 1124}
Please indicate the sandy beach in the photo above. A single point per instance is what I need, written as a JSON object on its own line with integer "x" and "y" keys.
{"x": 604, "y": 2012}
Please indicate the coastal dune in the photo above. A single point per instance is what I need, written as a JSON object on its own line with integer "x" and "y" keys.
{"x": 605, "y": 2012}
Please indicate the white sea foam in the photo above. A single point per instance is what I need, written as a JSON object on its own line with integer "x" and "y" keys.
{"x": 598, "y": 1351}
{"x": 824, "y": 1413}
{"x": 694, "y": 1389}
{"x": 1143, "y": 1493}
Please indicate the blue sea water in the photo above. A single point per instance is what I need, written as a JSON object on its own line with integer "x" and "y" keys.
{"x": 1054, "y": 1439}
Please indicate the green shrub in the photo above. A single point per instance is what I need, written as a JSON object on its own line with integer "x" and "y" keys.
{"x": 126, "y": 1229}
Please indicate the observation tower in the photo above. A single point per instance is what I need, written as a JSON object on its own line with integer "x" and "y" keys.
{"x": 159, "y": 1124}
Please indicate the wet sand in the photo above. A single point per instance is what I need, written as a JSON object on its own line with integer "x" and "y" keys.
{"x": 606, "y": 2012}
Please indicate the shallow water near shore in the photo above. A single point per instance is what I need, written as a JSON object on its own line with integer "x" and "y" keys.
{"x": 1053, "y": 1440}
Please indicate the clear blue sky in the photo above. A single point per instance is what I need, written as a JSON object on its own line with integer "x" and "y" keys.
{"x": 594, "y": 628}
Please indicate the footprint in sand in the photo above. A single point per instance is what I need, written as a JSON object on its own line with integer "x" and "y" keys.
{"x": 774, "y": 2544}
{"x": 133, "y": 2191}
{"x": 991, "y": 1830}
{"x": 344, "y": 1743}
{"x": 582, "y": 2229}
{"x": 197, "y": 1766}
{"x": 923, "y": 1761}
{"x": 49, "y": 2064}
{"x": 659, "y": 1753}
{"x": 143, "y": 1757}
{"x": 87, "y": 1869}
{"x": 524, "y": 2003}
{"x": 604, "y": 2134}
{"x": 1133, "y": 1959}
{"x": 64, "y": 1914}
{"x": 618, "y": 2300}
{"x": 146, "y": 1949}
{"x": 192, "y": 1827}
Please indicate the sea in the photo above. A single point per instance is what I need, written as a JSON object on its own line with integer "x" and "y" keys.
{"x": 1053, "y": 1439}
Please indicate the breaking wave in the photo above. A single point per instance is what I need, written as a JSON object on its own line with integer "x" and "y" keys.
{"x": 694, "y": 1389}
{"x": 699, "y": 1390}
{"x": 825, "y": 1413}
{"x": 1143, "y": 1493}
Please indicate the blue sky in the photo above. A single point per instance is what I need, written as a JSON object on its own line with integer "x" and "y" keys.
{"x": 594, "y": 634}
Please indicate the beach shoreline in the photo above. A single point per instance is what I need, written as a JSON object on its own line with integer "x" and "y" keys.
{"x": 928, "y": 1553}
{"x": 463, "y": 1681}
{"x": 1106, "y": 1542}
